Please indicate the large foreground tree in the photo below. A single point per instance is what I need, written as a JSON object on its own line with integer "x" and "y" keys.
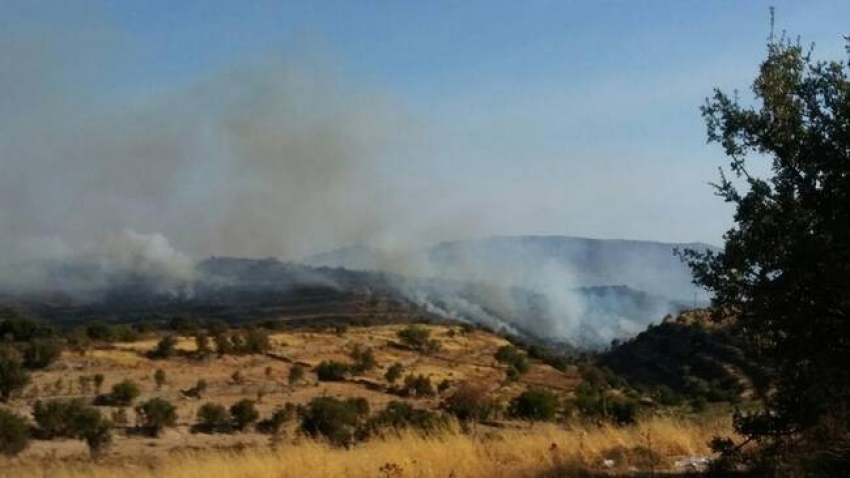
{"x": 784, "y": 270}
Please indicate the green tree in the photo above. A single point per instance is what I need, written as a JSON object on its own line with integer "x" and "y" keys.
{"x": 156, "y": 414}
{"x": 784, "y": 270}
{"x": 13, "y": 376}
{"x": 14, "y": 433}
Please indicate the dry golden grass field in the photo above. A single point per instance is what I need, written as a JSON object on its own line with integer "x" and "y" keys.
{"x": 509, "y": 449}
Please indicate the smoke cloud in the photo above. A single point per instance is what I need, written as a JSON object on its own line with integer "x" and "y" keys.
{"x": 274, "y": 158}
{"x": 283, "y": 157}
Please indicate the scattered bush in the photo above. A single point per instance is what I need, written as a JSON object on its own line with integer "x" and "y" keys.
{"x": 123, "y": 394}
{"x": 418, "y": 386}
{"x": 471, "y": 402}
{"x": 332, "y": 371}
{"x": 212, "y": 418}
{"x": 159, "y": 378}
{"x": 534, "y": 404}
{"x": 202, "y": 345}
{"x": 278, "y": 418}
{"x": 14, "y": 433}
{"x": 517, "y": 362}
{"x": 98, "y": 382}
{"x": 296, "y": 374}
{"x": 156, "y": 414}
{"x": 400, "y": 415}
{"x": 363, "y": 359}
{"x": 418, "y": 338}
{"x": 165, "y": 348}
{"x": 13, "y": 376}
{"x": 72, "y": 419}
{"x": 38, "y": 353}
{"x": 333, "y": 419}
{"x": 394, "y": 372}
{"x": 243, "y": 413}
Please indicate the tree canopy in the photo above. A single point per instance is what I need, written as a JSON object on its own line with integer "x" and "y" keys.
{"x": 784, "y": 270}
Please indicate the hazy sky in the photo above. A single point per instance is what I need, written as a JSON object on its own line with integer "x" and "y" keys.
{"x": 523, "y": 117}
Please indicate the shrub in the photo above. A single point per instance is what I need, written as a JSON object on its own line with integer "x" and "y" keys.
{"x": 13, "y": 376}
{"x": 165, "y": 348}
{"x": 517, "y": 363}
{"x": 255, "y": 341}
{"x": 296, "y": 374}
{"x": 331, "y": 371}
{"x": 123, "y": 394}
{"x": 400, "y": 415}
{"x": 73, "y": 419}
{"x": 213, "y": 418}
{"x": 156, "y": 414}
{"x": 159, "y": 378}
{"x": 41, "y": 352}
{"x": 394, "y": 372}
{"x": 471, "y": 403}
{"x": 333, "y": 419}
{"x": 418, "y": 338}
{"x": 202, "y": 345}
{"x": 363, "y": 358}
{"x": 223, "y": 345}
{"x": 97, "y": 435}
{"x": 57, "y": 418}
{"x": 98, "y": 382}
{"x": 534, "y": 404}
{"x": 243, "y": 413}
{"x": 278, "y": 418}
{"x": 14, "y": 433}
{"x": 418, "y": 386}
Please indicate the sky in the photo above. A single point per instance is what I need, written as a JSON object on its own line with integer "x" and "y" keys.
{"x": 397, "y": 121}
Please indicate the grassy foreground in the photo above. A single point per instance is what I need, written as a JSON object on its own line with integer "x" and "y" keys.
{"x": 528, "y": 452}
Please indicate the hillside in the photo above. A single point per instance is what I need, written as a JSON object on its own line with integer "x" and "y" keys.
{"x": 690, "y": 355}
{"x": 464, "y": 358}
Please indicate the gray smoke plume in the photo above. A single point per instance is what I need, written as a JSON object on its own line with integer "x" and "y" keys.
{"x": 281, "y": 157}
{"x": 275, "y": 158}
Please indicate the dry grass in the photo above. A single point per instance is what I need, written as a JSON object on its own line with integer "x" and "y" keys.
{"x": 514, "y": 452}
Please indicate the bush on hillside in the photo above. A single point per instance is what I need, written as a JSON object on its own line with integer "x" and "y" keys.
{"x": 212, "y": 418}
{"x": 333, "y": 419}
{"x": 534, "y": 404}
{"x": 471, "y": 402}
{"x": 14, "y": 433}
{"x": 332, "y": 371}
{"x": 156, "y": 414}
